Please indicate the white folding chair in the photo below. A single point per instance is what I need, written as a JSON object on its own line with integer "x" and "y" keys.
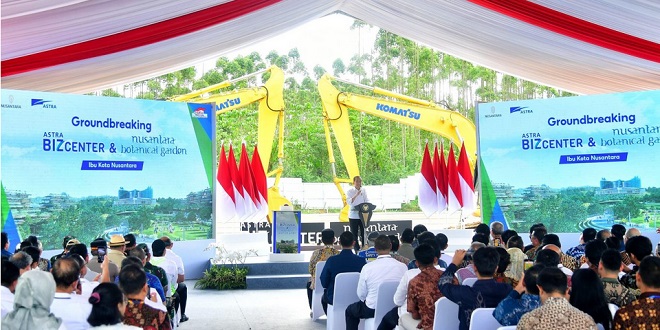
{"x": 510, "y": 327}
{"x": 384, "y": 304}
{"x": 446, "y": 258}
{"x": 469, "y": 281}
{"x": 345, "y": 293}
{"x": 446, "y": 315}
{"x": 483, "y": 319}
{"x": 613, "y": 308}
{"x": 317, "y": 308}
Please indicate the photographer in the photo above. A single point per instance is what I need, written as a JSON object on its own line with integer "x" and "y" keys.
{"x": 98, "y": 249}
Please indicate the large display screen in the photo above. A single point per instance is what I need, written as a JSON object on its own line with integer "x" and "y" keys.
{"x": 571, "y": 163}
{"x": 92, "y": 166}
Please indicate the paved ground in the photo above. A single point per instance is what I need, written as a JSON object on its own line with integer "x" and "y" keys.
{"x": 248, "y": 309}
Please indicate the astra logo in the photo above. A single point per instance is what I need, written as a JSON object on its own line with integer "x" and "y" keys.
{"x": 520, "y": 109}
{"x": 44, "y": 103}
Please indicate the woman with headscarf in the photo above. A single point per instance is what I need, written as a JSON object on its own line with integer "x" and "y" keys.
{"x": 33, "y": 297}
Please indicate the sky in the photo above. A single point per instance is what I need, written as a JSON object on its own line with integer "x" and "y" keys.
{"x": 320, "y": 41}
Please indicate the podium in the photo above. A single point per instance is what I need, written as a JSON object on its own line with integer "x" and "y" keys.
{"x": 365, "y": 211}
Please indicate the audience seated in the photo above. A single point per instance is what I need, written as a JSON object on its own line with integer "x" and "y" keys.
{"x": 32, "y": 303}
{"x": 383, "y": 269}
{"x": 482, "y": 228}
{"x": 133, "y": 282}
{"x": 557, "y": 250}
{"x": 506, "y": 235}
{"x": 328, "y": 250}
{"x": 522, "y": 299}
{"x": 34, "y": 254}
{"x": 517, "y": 266}
{"x": 117, "y": 246}
{"x": 99, "y": 249}
{"x": 481, "y": 238}
{"x": 5, "y": 246}
{"x": 531, "y": 231}
{"x": 630, "y": 233}
{"x": 10, "y": 274}
{"x": 555, "y": 311}
{"x": 65, "y": 243}
{"x": 567, "y": 261}
{"x": 421, "y": 238}
{"x": 158, "y": 259}
{"x": 130, "y": 243}
{"x": 344, "y": 262}
{"x": 181, "y": 288}
{"x": 608, "y": 269}
{"x": 406, "y": 249}
{"x": 152, "y": 280}
{"x": 70, "y": 307}
{"x": 643, "y": 313}
{"x": 592, "y": 253}
{"x": 418, "y": 230}
{"x": 496, "y": 231}
{"x": 108, "y": 307}
{"x": 603, "y": 234}
{"x": 588, "y": 234}
{"x": 22, "y": 260}
{"x": 395, "y": 248}
{"x": 484, "y": 293}
{"x": 637, "y": 248}
{"x": 422, "y": 290}
{"x": 153, "y": 270}
{"x": 391, "y": 319}
{"x": 619, "y": 231}
{"x": 44, "y": 264}
{"x": 537, "y": 238}
{"x": 443, "y": 242}
{"x": 505, "y": 261}
{"x": 468, "y": 271}
{"x": 587, "y": 295}
{"x": 369, "y": 251}
{"x": 152, "y": 297}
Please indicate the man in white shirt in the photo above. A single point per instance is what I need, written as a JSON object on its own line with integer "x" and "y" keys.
{"x": 354, "y": 197}
{"x": 383, "y": 269}
{"x": 71, "y": 308}
{"x": 181, "y": 289}
{"x": 10, "y": 274}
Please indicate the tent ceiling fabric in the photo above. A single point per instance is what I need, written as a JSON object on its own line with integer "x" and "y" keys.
{"x": 519, "y": 42}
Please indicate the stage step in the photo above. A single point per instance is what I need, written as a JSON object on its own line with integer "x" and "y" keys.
{"x": 277, "y": 275}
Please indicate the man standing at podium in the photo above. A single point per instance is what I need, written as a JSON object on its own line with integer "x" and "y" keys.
{"x": 354, "y": 197}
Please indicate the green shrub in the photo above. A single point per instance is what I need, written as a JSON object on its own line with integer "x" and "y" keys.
{"x": 221, "y": 277}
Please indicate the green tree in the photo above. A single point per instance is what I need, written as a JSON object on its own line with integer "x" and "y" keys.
{"x": 628, "y": 208}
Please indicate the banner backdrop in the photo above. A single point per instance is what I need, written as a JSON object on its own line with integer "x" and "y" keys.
{"x": 95, "y": 166}
{"x": 571, "y": 163}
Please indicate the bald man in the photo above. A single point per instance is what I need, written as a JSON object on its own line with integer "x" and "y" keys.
{"x": 630, "y": 233}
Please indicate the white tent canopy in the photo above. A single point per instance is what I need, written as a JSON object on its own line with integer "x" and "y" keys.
{"x": 78, "y": 46}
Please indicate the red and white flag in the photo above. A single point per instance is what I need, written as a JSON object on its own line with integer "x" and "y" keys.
{"x": 225, "y": 205}
{"x": 467, "y": 182}
{"x": 247, "y": 178}
{"x": 428, "y": 200}
{"x": 260, "y": 183}
{"x": 236, "y": 181}
{"x": 454, "y": 197}
{"x": 440, "y": 170}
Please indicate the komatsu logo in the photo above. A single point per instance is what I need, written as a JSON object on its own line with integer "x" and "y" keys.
{"x": 397, "y": 111}
{"x": 43, "y": 103}
{"x": 228, "y": 103}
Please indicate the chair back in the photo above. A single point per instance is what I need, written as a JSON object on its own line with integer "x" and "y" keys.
{"x": 483, "y": 319}
{"x": 384, "y": 304}
{"x": 469, "y": 281}
{"x": 446, "y": 315}
{"x": 317, "y": 294}
{"x": 510, "y": 327}
{"x": 345, "y": 294}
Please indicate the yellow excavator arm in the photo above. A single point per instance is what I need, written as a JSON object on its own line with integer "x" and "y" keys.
{"x": 400, "y": 108}
{"x": 270, "y": 116}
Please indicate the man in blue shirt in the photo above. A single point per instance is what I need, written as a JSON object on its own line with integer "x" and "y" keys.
{"x": 523, "y": 298}
{"x": 485, "y": 293}
{"x": 5, "y": 246}
{"x": 344, "y": 262}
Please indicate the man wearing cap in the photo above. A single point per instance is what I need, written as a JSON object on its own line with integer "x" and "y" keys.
{"x": 181, "y": 288}
{"x": 117, "y": 247}
{"x": 370, "y": 253}
{"x": 65, "y": 245}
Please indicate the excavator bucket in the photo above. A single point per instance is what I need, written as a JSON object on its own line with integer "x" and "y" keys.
{"x": 275, "y": 202}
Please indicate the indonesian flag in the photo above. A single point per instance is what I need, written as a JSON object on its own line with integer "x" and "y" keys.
{"x": 428, "y": 200}
{"x": 467, "y": 185}
{"x": 237, "y": 183}
{"x": 440, "y": 170}
{"x": 225, "y": 205}
{"x": 260, "y": 184}
{"x": 248, "y": 184}
{"x": 454, "y": 197}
